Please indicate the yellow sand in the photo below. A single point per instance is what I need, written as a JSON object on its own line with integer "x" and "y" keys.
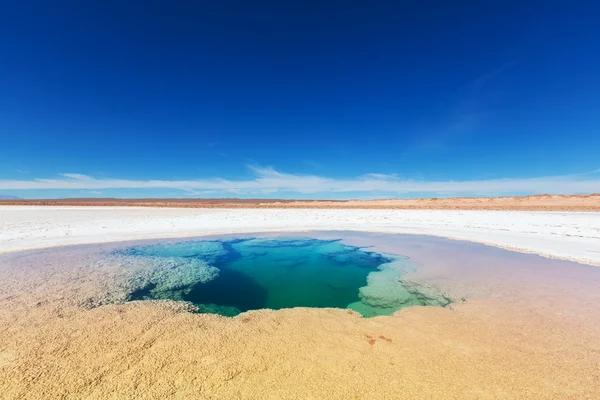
{"x": 536, "y": 344}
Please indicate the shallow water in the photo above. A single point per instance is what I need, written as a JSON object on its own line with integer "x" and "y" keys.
{"x": 229, "y": 277}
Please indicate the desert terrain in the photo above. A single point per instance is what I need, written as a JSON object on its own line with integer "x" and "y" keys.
{"x": 526, "y": 203}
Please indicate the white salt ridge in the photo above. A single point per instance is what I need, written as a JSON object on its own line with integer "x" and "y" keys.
{"x": 566, "y": 235}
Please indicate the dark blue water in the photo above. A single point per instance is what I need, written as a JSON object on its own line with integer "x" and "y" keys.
{"x": 228, "y": 277}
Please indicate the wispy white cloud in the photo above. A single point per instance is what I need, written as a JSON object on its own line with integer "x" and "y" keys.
{"x": 380, "y": 176}
{"x": 268, "y": 180}
{"x": 473, "y": 88}
{"x": 75, "y": 176}
{"x": 464, "y": 115}
{"x": 312, "y": 164}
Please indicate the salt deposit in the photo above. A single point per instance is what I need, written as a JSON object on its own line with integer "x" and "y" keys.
{"x": 566, "y": 235}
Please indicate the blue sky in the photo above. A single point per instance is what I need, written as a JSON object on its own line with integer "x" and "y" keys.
{"x": 299, "y": 99}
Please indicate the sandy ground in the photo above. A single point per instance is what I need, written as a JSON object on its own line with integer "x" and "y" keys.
{"x": 567, "y": 235}
{"x": 527, "y": 330}
{"x": 544, "y": 202}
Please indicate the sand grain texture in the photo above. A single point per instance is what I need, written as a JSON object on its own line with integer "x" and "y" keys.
{"x": 64, "y": 333}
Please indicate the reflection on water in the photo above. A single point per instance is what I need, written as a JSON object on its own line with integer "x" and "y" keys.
{"x": 228, "y": 277}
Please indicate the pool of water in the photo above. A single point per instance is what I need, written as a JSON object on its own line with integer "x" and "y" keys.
{"x": 228, "y": 277}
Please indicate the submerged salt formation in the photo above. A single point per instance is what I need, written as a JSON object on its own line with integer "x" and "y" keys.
{"x": 175, "y": 276}
{"x": 173, "y": 269}
{"x": 356, "y": 255}
{"x": 386, "y": 292}
{"x": 170, "y": 278}
{"x": 207, "y": 250}
{"x": 226, "y": 311}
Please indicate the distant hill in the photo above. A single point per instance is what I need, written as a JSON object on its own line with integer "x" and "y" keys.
{"x": 7, "y": 197}
{"x": 542, "y": 202}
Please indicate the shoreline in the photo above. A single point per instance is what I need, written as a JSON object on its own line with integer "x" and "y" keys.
{"x": 558, "y": 235}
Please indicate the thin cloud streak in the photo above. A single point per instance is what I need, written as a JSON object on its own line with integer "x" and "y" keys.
{"x": 269, "y": 181}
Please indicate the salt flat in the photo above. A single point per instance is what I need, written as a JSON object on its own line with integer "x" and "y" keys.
{"x": 566, "y": 235}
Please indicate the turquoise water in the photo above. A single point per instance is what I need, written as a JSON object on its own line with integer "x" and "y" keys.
{"x": 229, "y": 277}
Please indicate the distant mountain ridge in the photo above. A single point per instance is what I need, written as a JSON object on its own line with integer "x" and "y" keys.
{"x": 8, "y": 197}
{"x": 542, "y": 202}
